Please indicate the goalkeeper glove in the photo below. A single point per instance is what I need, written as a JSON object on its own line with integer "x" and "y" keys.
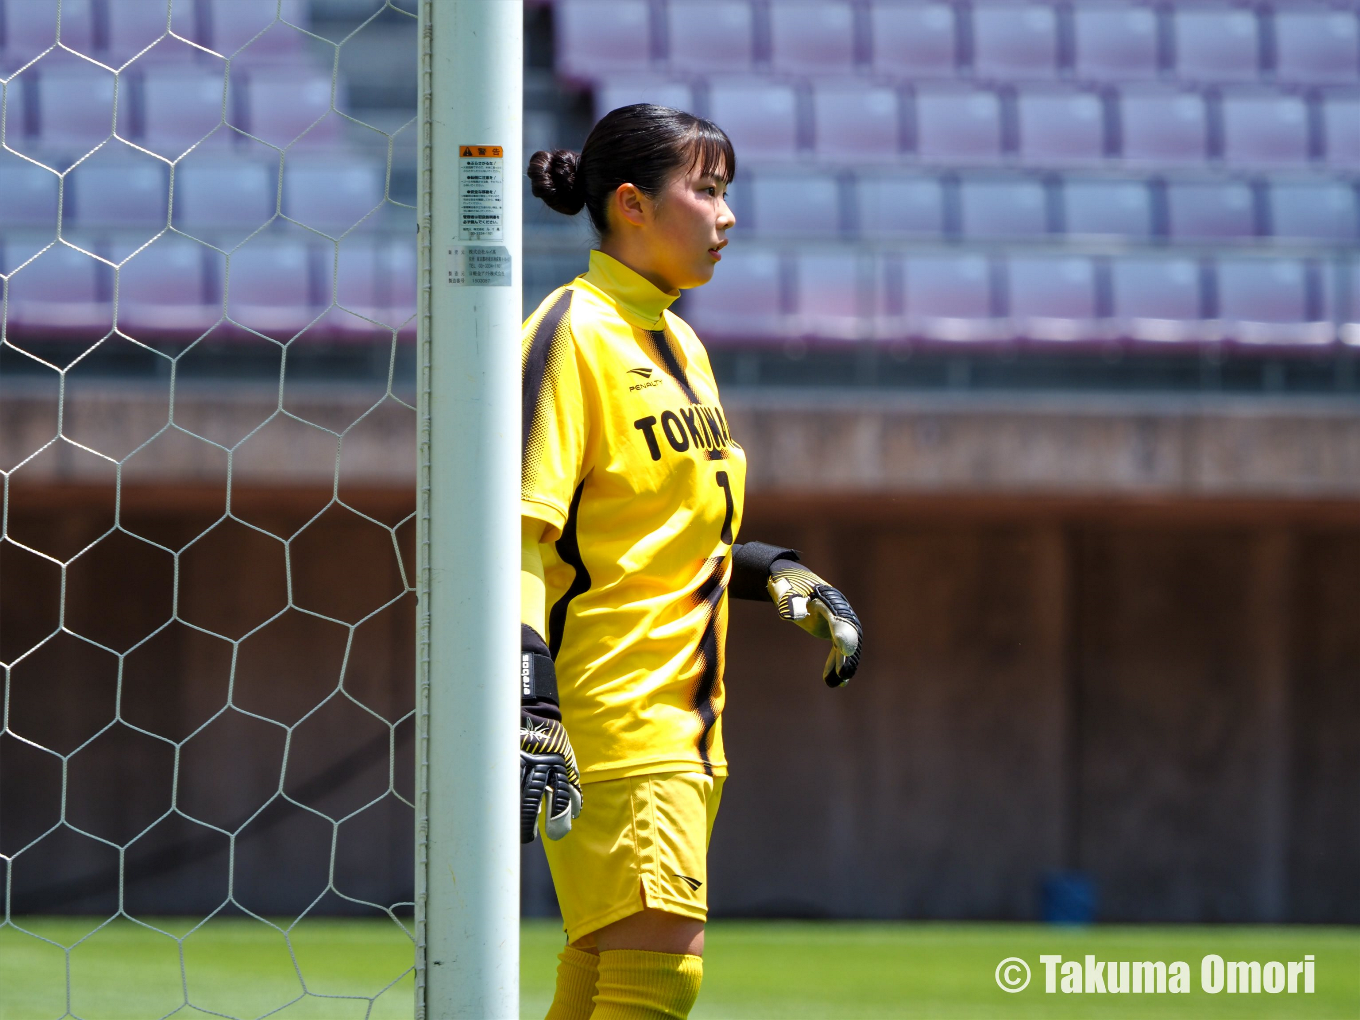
{"x": 805, "y": 599}
{"x": 547, "y": 764}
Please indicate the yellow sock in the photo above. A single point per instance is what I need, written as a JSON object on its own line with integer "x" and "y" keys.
{"x": 575, "y": 995}
{"x": 637, "y": 985}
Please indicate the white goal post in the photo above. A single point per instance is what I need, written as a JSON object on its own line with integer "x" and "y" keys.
{"x": 467, "y": 764}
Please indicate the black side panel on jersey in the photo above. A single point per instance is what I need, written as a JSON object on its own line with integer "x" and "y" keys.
{"x": 546, "y": 348}
{"x": 662, "y": 347}
{"x": 570, "y": 550}
{"x": 709, "y": 593}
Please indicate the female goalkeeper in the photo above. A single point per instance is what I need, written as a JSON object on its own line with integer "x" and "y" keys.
{"x": 631, "y": 501}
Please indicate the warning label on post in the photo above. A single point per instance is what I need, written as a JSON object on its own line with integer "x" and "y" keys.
{"x": 472, "y": 265}
{"x": 481, "y": 193}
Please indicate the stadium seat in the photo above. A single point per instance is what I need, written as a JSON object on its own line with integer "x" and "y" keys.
{"x": 616, "y": 92}
{"x": 1157, "y": 299}
{"x": 1317, "y": 45}
{"x": 897, "y": 206}
{"x": 107, "y": 192}
{"x": 1266, "y": 301}
{"x": 1341, "y": 126}
{"x": 269, "y": 287}
{"x": 743, "y": 300}
{"x": 332, "y": 196}
{"x": 256, "y": 28}
{"x": 1061, "y": 127}
{"x": 162, "y": 289}
{"x": 1015, "y": 41}
{"x": 59, "y": 291}
{"x": 183, "y": 107}
{"x": 234, "y": 195}
{"x": 792, "y": 206}
{"x": 1112, "y": 208}
{"x": 30, "y": 195}
{"x": 855, "y": 122}
{"x": 709, "y": 35}
{"x": 595, "y": 37}
{"x": 1216, "y": 44}
{"x": 75, "y": 107}
{"x": 1204, "y": 211}
{"x": 760, "y": 118}
{"x": 1163, "y": 127}
{"x": 954, "y": 126}
{"x": 832, "y": 296}
{"x": 1016, "y": 208}
{"x": 1317, "y": 212}
{"x": 1117, "y": 43}
{"x": 31, "y": 28}
{"x": 949, "y": 297}
{"x": 1260, "y": 130}
{"x": 1053, "y": 298}
{"x": 290, "y": 105}
{"x": 812, "y": 36}
{"x": 913, "y": 40}
{"x": 133, "y": 25}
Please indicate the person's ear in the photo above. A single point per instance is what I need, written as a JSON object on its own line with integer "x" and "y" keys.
{"x": 631, "y": 204}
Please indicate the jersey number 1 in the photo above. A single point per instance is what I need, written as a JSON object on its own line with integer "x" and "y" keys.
{"x": 726, "y": 487}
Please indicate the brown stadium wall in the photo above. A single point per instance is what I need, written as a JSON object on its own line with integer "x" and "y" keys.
{"x": 1120, "y": 638}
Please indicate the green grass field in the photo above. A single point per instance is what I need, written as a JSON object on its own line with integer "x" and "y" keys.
{"x": 752, "y": 969}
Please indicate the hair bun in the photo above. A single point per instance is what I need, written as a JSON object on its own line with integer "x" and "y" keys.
{"x": 555, "y": 179}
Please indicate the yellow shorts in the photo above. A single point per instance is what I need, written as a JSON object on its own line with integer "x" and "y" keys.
{"x": 641, "y": 841}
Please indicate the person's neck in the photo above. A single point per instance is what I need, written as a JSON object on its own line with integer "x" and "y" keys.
{"x": 635, "y": 260}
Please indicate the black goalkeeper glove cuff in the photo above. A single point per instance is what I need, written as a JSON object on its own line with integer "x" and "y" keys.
{"x": 547, "y": 764}
{"x": 752, "y": 564}
{"x": 805, "y": 599}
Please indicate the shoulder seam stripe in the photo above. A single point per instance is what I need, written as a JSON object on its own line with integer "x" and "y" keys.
{"x": 569, "y": 548}
{"x": 537, "y": 358}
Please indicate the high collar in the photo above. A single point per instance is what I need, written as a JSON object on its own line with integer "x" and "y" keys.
{"x": 638, "y": 300}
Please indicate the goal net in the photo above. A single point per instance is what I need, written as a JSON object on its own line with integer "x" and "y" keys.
{"x": 207, "y": 451}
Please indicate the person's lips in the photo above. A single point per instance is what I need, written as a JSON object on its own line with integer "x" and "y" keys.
{"x": 716, "y": 251}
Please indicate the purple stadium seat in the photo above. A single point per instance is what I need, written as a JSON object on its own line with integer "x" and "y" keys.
{"x": 743, "y": 301}
{"x": 1157, "y": 299}
{"x": 1216, "y": 44}
{"x": 1116, "y": 43}
{"x": 1015, "y": 208}
{"x": 1203, "y": 211}
{"x": 1321, "y": 212}
{"x": 136, "y": 24}
{"x": 831, "y": 292}
{"x": 75, "y": 107}
{"x": 183, "y": 108}
{"x": 1163, "y": 127}
{"x": 1054, "y": 298}
{"x": 855, "y": 122}
{"x": 760, "y": 118}
{"x": 269, "y": 287}
{"x": 596, "y": 37}
{"x": 331, "y": 196}
{"x": 809, "y": 36}
{"x": 235, "y": 195}
{"x": 161, "y": 288}
{"x": 899, "y": 206}
{"x": 258, "y": 26}
{"x": 1117, "y": 208}
{"x": 949, "y": 297}
{"x": 613, "y": 93}
{"x": 1266, "y": 301}
{"x": 1341, "y": 125}
{"x": 954, "y": 126}
{"x": 1061, "y": 127}
{"x": 30, "y": 195}
{"x": 112, "y": 192}
{"x": 793, "y": 206}
{"x": 913, "y": 40}
{"x": 1015, "y": 41}
{"x": 1317, "y": 46}
{"x": 1265, "y": 130}
{"x": 710, "y": 35}
{"x": 287, "y": 105}
{"x": 31, "y": 28}
{"x": 58, "y": 291}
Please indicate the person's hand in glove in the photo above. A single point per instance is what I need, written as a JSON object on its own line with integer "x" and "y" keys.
{"x": 547, "y": 765}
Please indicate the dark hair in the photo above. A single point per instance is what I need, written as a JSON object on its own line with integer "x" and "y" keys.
{"x": 643, "y": 145}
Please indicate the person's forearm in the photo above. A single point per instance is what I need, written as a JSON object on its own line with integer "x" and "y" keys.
{"x": 533, "y": 592}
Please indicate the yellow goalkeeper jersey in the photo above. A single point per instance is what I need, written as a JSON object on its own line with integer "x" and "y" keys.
{"x": 628, "y": 458}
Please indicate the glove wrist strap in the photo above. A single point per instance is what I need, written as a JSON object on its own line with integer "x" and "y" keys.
{"x": 751, "y": 562}
{"x": 537, "y": 677}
